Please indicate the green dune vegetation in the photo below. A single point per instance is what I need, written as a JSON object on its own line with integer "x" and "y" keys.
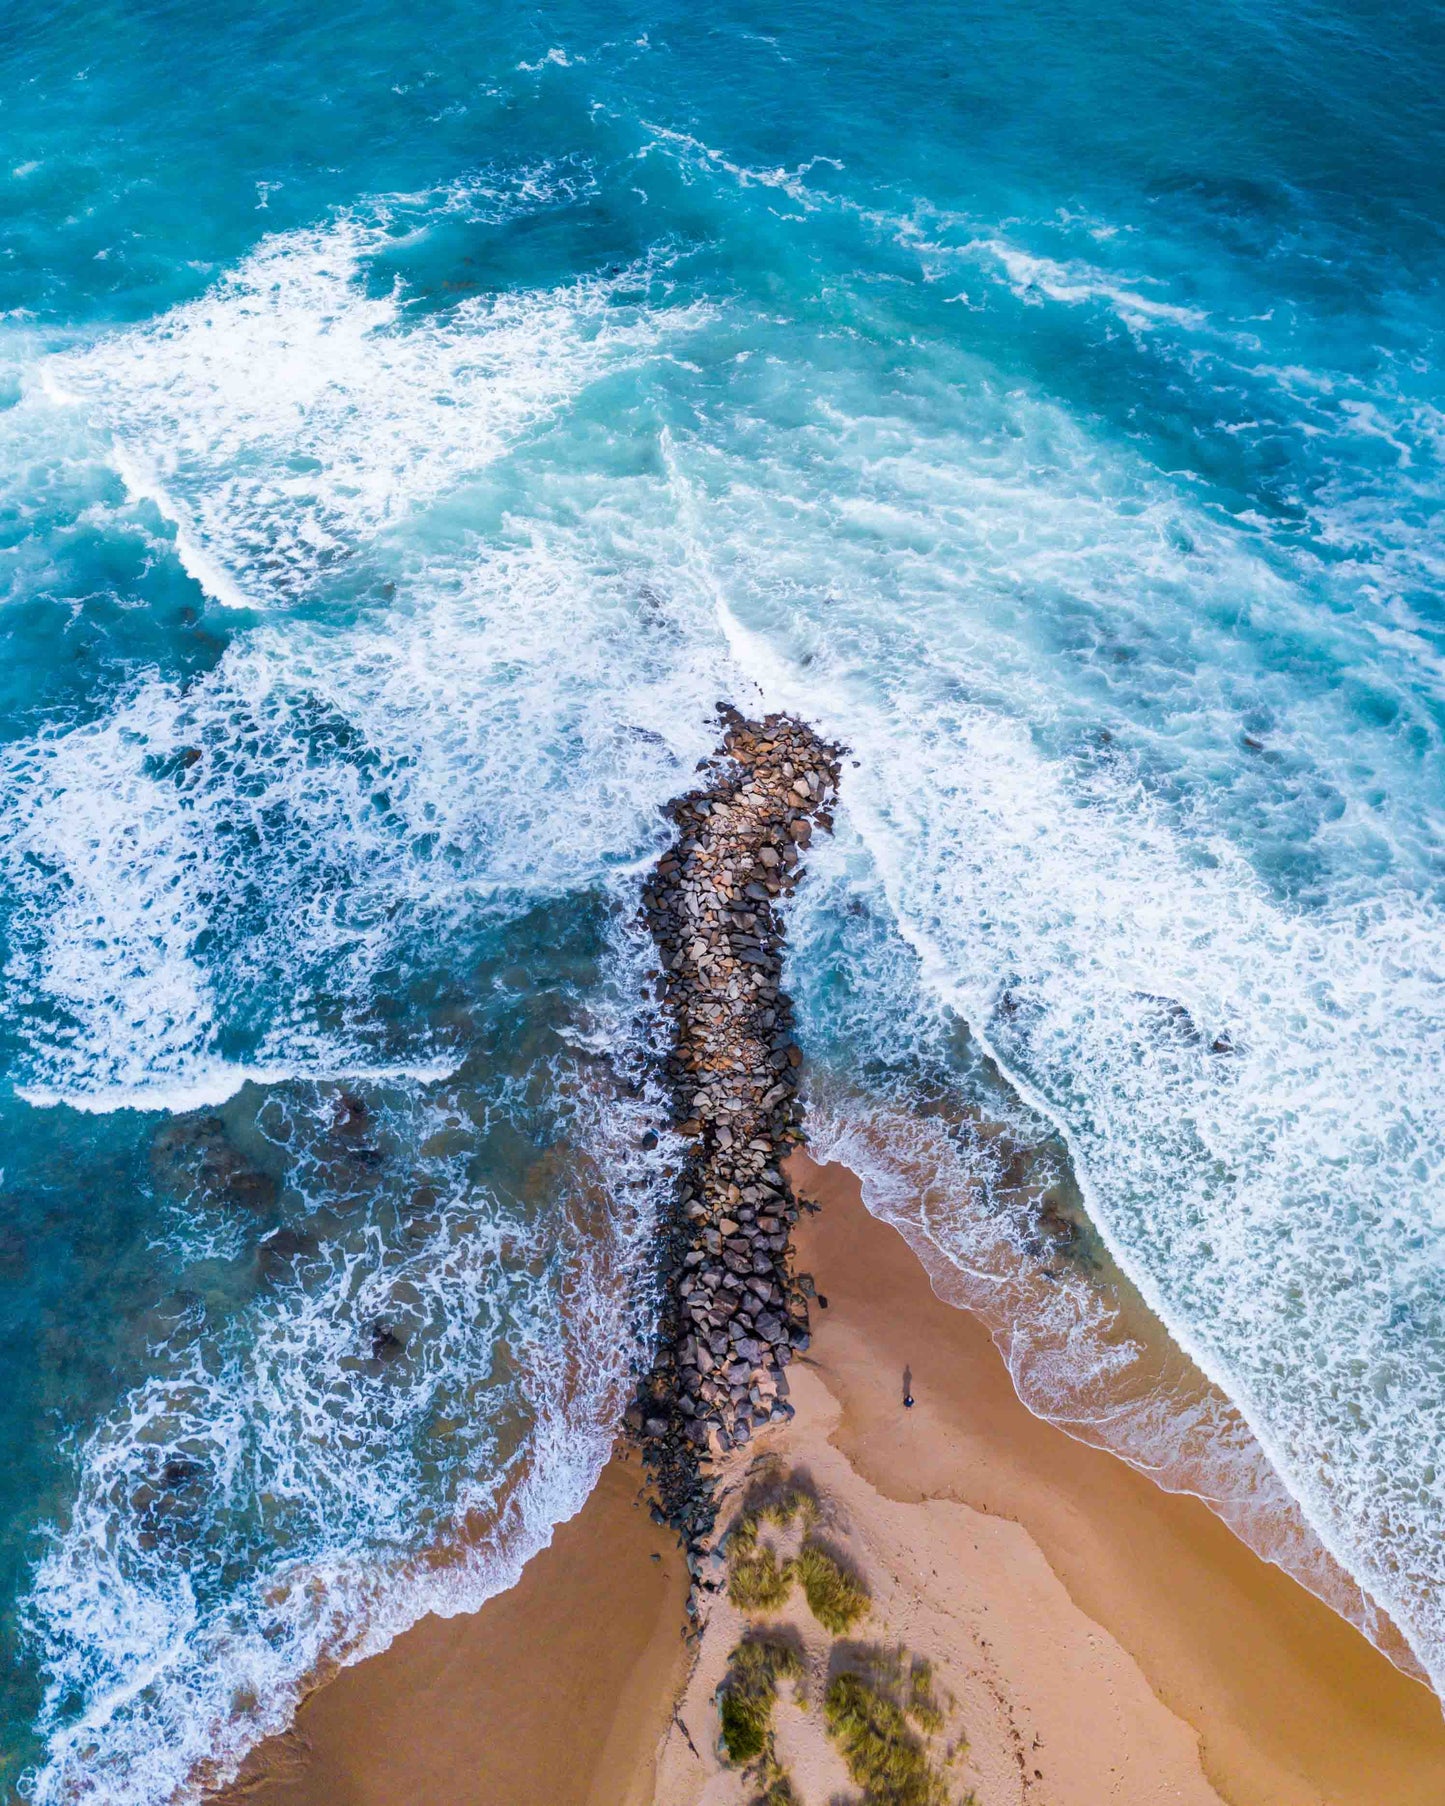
{"x": 757, "y": 1580}
{"x": 880, "y": 1707}
{"x": 778, "y": 1793}
{"x": 836, "y": 1598}
{"x": 871, "y": 1715}
{"x": 749, "y": 1694}
{"x": 760, "y": 1581}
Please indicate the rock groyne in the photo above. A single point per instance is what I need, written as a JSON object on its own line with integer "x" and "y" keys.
{"x": 732, "y": 1317}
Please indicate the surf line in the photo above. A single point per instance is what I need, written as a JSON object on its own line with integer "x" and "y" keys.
{"x": 732, "y": 1315}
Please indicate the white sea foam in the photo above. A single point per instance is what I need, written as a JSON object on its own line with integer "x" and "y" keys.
{"x": 694, "y": 154}
{"x": 1035, "y": 279}
{"x": 271, "y": 1499}
{"x": 217, "y": 864}
{"x": 1064, "y": 915}
{"x": 292, "y": 414}
{"x": 935, "y": 1139}
{"x": 199, "y": 563}
{"x": 1355, "y": 524}
{"x": 1112, "y": 794}
{"x": 200, "y": 873}
{"x": 207, "y": 1086}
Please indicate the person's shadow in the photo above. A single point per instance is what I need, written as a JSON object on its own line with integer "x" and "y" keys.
{"x": 908, "y": 1387}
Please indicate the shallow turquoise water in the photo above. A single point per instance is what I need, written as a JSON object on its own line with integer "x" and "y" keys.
{"x": 408, "y": 430}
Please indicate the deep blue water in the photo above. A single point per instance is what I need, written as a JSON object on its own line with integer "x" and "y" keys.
{"x": 411, "y": 424}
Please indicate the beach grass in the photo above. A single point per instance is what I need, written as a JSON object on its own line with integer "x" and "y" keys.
{"x": 923, "y": 1707}
{"x": 749, "y": 1693}
{"x": 793, "y": 1505}
{"x": 883, "y": 1754}
{"x": 836, "y": 1598}
{"x": 758, "y": 1581}
{"x": 778, "y": 1792}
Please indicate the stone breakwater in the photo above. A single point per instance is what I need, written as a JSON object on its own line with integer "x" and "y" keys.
{"x": 732, "y": 1316}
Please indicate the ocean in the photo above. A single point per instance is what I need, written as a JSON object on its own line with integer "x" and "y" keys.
{"x": 412, "y": 425}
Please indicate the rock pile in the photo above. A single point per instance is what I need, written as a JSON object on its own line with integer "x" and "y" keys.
{"x": 732, "y": 1318}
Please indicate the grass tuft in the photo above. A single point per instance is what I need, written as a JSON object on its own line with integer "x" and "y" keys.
{"x": 835, "y": 1598}
{"x": 749, "y": 1693}
{"x": 757, "y": 1580}
{"x": 778, "y": 1792}
{"x": 792, "y": 1504}
{"x": 883, "y": 1755}
{"x": 922, "y": 1705}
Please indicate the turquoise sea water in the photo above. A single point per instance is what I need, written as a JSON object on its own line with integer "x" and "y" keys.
{"x": 411, "y": 424}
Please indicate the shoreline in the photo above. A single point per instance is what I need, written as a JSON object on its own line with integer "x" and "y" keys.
{"x": 1155, "y": 1656}
{"x": 557, "y": 1690}
{"x": 1089, "y": 1636}
{"x": 1292, "y": 1705}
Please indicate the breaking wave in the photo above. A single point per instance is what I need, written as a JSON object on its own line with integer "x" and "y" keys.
{"x": 1132, "y": 920}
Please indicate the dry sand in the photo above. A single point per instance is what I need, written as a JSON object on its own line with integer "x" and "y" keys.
{"x": 1104, "y": 1641}
{"x": 1051, "y": 1707}
{"x": 1291, "y": 1705}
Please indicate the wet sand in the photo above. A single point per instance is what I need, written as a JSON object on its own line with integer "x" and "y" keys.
{"x": 1292, "y": 1705}
{"x": 553, "y": 1694}
{"x": 1039, "y": 1704}
{"x": 1066, "y": 1597}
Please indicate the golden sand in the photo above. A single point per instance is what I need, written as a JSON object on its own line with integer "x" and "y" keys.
{"x": 557, "y": 1691}
{"x": 1103, "y": 1640}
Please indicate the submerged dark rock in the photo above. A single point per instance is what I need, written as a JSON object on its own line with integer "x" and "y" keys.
{"x": 195, "y": 1159}
{"x": 279, "y": 1255}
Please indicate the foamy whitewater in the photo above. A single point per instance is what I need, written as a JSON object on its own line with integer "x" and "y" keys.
{"x": 407, "y": 435}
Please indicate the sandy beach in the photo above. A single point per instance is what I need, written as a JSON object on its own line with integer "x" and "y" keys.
{"x": 557, "y": 1690}
{"x": 1096, "y": 1638}
{"x": 1290, "y": 1705}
